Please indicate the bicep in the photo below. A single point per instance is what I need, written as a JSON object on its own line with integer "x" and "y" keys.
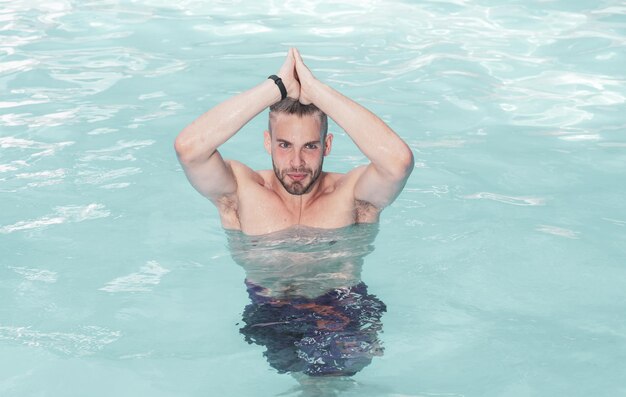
{"x": 213, "y": 178}
{"x": 377, "y": 188}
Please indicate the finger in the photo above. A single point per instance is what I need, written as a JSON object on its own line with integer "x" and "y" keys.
{"x": 298, "y": 59}
{"x": 300, "y": 63}
{"x": 296, "y": 55}
{"x": 288, "y": 64}
{"x": 289, "y": 60}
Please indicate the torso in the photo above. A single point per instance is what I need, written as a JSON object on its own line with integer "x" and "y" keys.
{"x": 257, "y": 209}
{"x": 303, "y": 261}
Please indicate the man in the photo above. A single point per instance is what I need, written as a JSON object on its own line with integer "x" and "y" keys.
{"x": 309, "y": 307}
{"x": 297, "y": 191}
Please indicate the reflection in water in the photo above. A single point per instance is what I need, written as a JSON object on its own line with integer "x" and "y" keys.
{"x": 309, "y": 307}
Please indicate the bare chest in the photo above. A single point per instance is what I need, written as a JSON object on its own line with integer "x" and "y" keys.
{"x": 264, "y": 212}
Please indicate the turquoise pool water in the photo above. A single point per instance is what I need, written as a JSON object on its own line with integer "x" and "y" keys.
{"x": 501, "y": 265}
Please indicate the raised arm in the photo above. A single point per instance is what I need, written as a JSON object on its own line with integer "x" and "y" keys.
{"x": 196, "y": 145}
{"x": 391, "y": 158}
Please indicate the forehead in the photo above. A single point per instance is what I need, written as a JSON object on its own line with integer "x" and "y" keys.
{"x": 293, "y": 128}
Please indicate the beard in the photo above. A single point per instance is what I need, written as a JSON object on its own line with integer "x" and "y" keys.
{"x": 297, "y": 188}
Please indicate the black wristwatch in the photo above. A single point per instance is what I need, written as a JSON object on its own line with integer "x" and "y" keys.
{"x": 281, "y": 86}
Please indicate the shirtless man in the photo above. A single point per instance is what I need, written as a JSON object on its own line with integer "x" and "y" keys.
{"x": 296, "y": 191}
{"x": 309, "y": 308}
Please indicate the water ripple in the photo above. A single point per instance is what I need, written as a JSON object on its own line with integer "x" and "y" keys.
{"x": 62, "y": 214}
{"x": 12, "y": 142}
{"x": 5, "y": 105}
{"x": 446, "y": 143}
{"x": 148, "y": 276}
{"x": 43, "y": 178}
{"x": 17, "y": 66}
{"x": 45, "y": 276}
{"x": 121, "y": 145}
{"x": 98, "y": 177}
{"x": 86, "y": 340}
{"x": 558, "y": 231}
{"x": 513, "y": 200}
{"x": 617, "y": 222}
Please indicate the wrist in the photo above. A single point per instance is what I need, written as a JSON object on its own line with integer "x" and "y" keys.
{"x": 313, "y": 89}
{"x": 280, "y": 85}
{"x": 272, "y": 90}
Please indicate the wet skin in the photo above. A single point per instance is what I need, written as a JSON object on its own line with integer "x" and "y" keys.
{"x": 298, "y": 151}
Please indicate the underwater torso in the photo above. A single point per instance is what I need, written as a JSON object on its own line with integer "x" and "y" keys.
{"x": 303, "y": 261}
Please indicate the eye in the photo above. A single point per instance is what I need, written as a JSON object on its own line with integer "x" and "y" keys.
{"x": 283, "y": 145}
{"x": 311, "y": 146}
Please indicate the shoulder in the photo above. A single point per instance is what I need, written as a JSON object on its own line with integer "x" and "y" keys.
{"x": 344, "y": 181}
{"x": 238, "y": 166}
{"x": 244, "y": 174}
{"x": 348, "y": 179}
{"x": 347, "y": 182}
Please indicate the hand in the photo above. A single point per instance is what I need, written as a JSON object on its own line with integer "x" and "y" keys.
{"x": 305, "y": 78}
{"x": 287, "y": 73}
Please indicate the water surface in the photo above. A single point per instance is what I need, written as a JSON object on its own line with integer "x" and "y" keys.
{"x": 501, "y": 265}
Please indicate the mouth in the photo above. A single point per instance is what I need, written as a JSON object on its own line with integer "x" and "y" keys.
{"x": 297, "y": 176}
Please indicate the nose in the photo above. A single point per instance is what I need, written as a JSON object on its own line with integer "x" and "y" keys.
{"x": 297, "y": 160}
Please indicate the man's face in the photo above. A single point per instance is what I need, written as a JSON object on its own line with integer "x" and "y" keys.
{"x": 297, "y": 151}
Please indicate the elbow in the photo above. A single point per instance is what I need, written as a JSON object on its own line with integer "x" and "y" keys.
{"x": 404, "y": 162}
{"x": 182, "y": 146}
{"x": 187, "y": 148}
{"x": 408, "y": 160}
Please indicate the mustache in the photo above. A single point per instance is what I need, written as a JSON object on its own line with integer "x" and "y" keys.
{"x": 298, "y": 170}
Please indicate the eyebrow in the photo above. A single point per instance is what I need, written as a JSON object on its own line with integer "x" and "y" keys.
{"x": 306, "y": 143}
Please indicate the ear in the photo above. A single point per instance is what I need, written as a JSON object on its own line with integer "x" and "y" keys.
{"x": 328, "y": 143}
{"x": 267, "y": 142}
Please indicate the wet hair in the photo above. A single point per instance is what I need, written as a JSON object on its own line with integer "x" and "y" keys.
{"x": 293, "y": 107}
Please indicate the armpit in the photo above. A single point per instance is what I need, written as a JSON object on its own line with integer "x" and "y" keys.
{"x": 228, "y": 209}
{"x": 365, "y": 212}
{"x": 227, "y": 203}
